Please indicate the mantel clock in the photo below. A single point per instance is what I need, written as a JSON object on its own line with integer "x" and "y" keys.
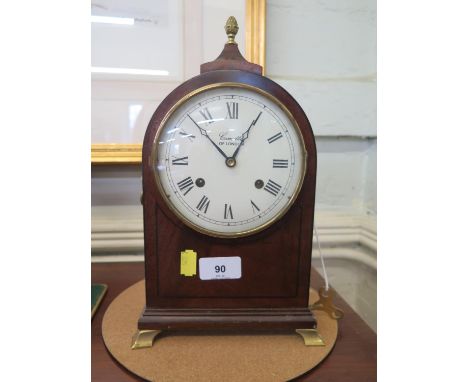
{"x": 229, "y": 172}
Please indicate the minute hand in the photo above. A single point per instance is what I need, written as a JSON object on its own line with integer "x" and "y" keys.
{"x": 245, "y": 135}
{"x": 203, "y": 132}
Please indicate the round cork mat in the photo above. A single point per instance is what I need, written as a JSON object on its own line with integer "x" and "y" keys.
{"x": 207, "y": 356}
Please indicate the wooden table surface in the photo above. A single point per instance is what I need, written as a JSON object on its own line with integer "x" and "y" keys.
{"x": 354, "y": 357}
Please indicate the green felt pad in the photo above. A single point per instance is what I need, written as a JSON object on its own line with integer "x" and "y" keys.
{"x": 97, "y": 293}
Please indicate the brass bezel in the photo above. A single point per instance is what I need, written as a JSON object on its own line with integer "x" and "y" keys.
{"x": 179, "y": 215}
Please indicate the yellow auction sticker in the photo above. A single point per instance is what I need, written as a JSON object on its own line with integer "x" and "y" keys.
{"x": 188, "y": 263}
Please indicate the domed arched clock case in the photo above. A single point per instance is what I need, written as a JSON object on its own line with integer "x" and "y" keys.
{"x": 229, "y": 172}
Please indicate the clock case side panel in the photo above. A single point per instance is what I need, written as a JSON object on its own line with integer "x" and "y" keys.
{"x": 160, "y": 224}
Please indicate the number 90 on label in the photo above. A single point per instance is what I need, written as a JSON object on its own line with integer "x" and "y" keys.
{"x": 220, "y": 268}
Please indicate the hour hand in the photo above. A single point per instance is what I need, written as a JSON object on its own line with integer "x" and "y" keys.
{"x": 203, "y": 132}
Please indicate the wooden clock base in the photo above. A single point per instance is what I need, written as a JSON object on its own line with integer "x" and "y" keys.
{"x": 154, "y": 321}
{"x": 202, "y": 319}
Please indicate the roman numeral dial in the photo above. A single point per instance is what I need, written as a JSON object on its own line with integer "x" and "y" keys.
{"x": 228, "y": 212}
{"x": 184, "y": 134}
{"x": 228, "y": 160}
{"x": 207, "y": 118}
{"x": 275, "y": 137}
{"x": 255, "y": 208}
{"x": 280, "y": 163}
{"x": 185, "y": 185}
{"x": 203, "y": 204}
{"x": 272, "y": 187}
{"x": 232, "y": 110}
{"x": 182, "y": 161}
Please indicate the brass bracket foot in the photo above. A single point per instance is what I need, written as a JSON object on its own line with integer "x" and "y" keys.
{"x": 311, "y": 337}
{"x": 144, "y": 338}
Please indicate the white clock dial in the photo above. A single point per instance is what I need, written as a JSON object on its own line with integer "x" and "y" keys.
{"x": 229, "y": 160}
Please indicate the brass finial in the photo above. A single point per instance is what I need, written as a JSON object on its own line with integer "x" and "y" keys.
{"x": 231, "y": 29}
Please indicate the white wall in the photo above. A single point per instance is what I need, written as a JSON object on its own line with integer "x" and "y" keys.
{"x": 324, "y": 54}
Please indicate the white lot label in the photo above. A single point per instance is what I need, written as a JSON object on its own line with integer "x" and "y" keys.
{"x": 220, "y": 268}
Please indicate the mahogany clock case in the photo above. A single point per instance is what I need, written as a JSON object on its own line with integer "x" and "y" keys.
{"x": 275, "y": 261}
